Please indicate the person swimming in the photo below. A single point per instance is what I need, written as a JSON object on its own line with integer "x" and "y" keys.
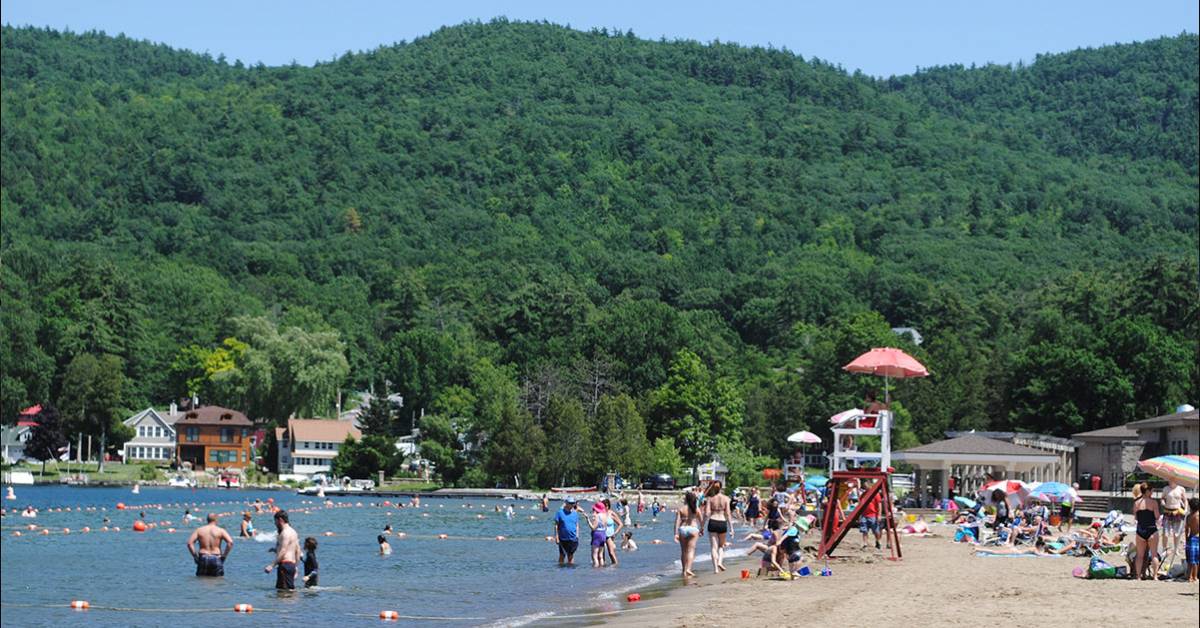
{"x": 385, "y": 549}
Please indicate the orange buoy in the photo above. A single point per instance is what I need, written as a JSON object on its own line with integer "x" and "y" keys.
{"x": 86, "y": 529}
{"x": 139, "y": 526}
{"x": 243, "y": 608}
{"x": 45, "y": 531}
{"x": 80, "y": 605}
{"x": 389, "y": 615}
{"x": 120, "y": 505}
{"x": 66, "y": 530}
{"x": 634, "y": 597}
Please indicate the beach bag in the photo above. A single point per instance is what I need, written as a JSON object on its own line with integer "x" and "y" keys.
{"x": 1101, "y": 570}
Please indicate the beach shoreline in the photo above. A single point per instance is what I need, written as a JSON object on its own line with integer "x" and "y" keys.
{"x": 938, "y": 583}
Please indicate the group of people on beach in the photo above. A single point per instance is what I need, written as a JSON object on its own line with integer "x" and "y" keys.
{"x": 210, "y": 545}
{"x": 1164, "y": 527}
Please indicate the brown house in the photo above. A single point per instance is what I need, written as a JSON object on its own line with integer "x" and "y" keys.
{"x": 214, "y": 437}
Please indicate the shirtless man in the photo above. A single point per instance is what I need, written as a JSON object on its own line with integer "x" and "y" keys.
{"x": 210, "y": 561}
{"x": 287, "y": 553}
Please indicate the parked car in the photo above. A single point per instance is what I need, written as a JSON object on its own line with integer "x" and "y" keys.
{"x": 660, "y": 482}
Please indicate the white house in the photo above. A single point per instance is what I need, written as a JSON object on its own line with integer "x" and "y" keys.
{"x": 309, "y": 445}
{"x": 15, "y": 437}
{"x": 154, "y": 435}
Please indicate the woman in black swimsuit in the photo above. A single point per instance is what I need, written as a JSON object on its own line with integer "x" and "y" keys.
{"x": 717, "y": 512}
{"x": 1146, "y": 513}
{"x": 752, "y": 510}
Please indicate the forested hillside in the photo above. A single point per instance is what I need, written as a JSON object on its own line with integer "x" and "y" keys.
{"x": 633, "y": 250}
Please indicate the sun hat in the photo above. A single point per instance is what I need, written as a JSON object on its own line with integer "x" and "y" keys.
{"x": 598, "y": 507}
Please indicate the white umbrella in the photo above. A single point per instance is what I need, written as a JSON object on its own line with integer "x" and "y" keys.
{"x": 804, "y": 437}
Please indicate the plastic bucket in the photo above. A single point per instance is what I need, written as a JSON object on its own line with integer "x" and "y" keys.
{"x": 910, "y": 518}
{"x": 1055, "y": 520}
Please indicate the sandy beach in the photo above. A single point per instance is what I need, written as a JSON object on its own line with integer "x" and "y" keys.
{"x": 938, "y": 583}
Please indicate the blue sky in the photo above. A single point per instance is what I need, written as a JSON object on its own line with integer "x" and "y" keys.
{"x": 877, "y": 37}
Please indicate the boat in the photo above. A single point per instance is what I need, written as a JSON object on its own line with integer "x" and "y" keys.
{"x": 229, "y": 480}
{"x": 573, "y": 489}
{"x": 18, "y": 477}
{"x": 75, "y": 480}
{"x": 180, "y": 481}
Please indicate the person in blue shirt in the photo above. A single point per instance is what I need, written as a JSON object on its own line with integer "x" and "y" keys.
{"x": 566, "y": 531}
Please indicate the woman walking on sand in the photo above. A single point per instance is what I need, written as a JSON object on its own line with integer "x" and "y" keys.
{"x": 1146, "y": 514}
{"x": 687, "y": 531}
{"x": 718, "y": 515}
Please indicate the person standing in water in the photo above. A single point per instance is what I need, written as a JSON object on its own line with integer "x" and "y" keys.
{"x": 611, "y": 529}
{"x": 247, "y": 526}
{"x": 753, "y": 508}
{"x": 687, "y": 531}
{"x": 385, "y": 548}
{"x": 718, "y": 514}
{"x": 210, "y": 560}
{"x": 566, "y": 532}
{"x": 545, "y": 503}
{"x": 312, "y": 570}
{"x": 287, "y": 553}
{"x": 598, "y": 522}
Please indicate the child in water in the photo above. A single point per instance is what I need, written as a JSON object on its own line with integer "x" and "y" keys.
{"x": 385, "y": 549}
{"x": 628, "y": 545}
{"x": 311, "y": 569}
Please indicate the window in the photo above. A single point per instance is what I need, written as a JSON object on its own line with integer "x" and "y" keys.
{"x": 193, "y": 434}
{"x": 227, "y": 435}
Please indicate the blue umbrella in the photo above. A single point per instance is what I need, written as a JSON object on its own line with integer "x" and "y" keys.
{"x": 1052, "y": 492}
{"x": 966, "y": 503}
{"x": 815, "y": 482}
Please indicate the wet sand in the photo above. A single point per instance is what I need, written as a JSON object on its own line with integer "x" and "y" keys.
{"x": 938, "y": 583}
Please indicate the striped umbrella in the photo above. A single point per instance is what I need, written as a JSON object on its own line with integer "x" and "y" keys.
{"x": 1184, "y": 470}
{"x": 1015, "y": 491}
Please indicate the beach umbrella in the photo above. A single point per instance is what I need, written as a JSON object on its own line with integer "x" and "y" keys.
{"x": 888, "y": 362}
{"x": 804, "y": 437}
{"x": 1053, "y": 492}
{"x": 1182, "y": 469}
{"x": 965, "y": 503}
{"x": 815, "y": 482}
{"x": 1015, "y": 491}
{"x": 844, "y": 415}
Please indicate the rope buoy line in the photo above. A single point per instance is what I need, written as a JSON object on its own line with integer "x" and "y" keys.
{"x": 224, "y": 609}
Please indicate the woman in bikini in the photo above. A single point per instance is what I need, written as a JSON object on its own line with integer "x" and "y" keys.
{"x": 687, "y": 531}
{"x": 1146, "y": 514}
{"x": 717, "y": 514}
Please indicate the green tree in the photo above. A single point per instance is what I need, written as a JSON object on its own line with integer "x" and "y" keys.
{"x": 665, "y": 458}
{"x": 47, "y": 437}
{"x": 92, "y": 399}
{"x": 515, "y": 447}
{"x": 440, "y": 444}
{"x": 365, "y": 458}
{"x": 567, "y": 442}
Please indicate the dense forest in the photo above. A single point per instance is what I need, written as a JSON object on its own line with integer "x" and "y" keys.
{"x": 574, "y": 252}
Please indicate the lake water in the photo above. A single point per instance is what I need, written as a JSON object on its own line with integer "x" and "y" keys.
{"x": 469, "y": 579}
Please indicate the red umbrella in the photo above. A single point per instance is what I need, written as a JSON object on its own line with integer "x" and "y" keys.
{"x": 888, "y": 362}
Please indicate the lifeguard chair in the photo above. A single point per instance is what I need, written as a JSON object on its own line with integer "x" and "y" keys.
{"x": 848, "y": 468}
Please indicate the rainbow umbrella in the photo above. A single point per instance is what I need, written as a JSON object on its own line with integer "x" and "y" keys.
{"x": 1181, "y": 469}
